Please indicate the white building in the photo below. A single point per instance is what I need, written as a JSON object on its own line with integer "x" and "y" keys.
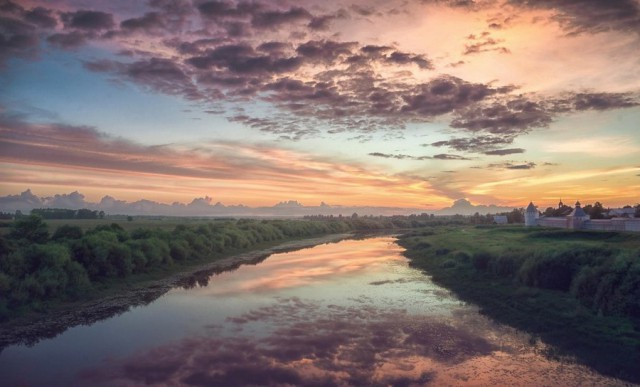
{"x": 530, "y": 215}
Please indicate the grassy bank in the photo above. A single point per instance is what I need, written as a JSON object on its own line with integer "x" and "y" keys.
{"x": 578, "y": 291}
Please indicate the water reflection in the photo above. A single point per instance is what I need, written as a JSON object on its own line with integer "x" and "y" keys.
{"x": 313, "y": 344}
{"x": 317, "y": 344}
{"x": 318, "y": 265}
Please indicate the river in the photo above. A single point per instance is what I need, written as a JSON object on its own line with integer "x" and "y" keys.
{"x": 346, "y": 313}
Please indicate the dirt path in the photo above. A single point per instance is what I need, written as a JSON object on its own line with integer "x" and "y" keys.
{"x": 31, "y": 330}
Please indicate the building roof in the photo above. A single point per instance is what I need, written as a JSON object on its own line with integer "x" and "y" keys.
{"x": 578, "y": 212}
{"x": 531, "y": 207}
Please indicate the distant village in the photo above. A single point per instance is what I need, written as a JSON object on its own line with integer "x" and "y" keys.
{"x": 589, "y": 218}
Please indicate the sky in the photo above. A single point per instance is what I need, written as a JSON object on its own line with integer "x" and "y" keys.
{"x": 413, "y": 103}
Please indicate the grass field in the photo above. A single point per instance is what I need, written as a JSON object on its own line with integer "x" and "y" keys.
{"x": 534, "y": 279}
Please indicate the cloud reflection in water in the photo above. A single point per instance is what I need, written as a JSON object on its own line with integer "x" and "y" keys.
{"x": 312, "y": 345}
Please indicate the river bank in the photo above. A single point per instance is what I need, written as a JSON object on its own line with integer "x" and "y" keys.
{"x": 533, "y": 280}
{"x": 114, "y": 300}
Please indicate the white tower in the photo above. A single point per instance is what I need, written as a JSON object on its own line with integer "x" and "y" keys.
{"x": 530, "y": 215}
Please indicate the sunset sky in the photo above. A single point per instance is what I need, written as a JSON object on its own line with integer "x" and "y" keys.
{"x": 378, "y": 103}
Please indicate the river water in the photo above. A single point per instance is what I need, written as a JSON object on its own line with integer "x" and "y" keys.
{"x": 346, "y": 313}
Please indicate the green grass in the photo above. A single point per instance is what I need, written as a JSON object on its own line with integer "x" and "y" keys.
{"x": 486, "y": 266}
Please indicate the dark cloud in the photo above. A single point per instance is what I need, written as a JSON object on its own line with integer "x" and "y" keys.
{"x": 88, "y": 20}
{"x": 504, "y": 152}
{"x": 242, "y": 58}
{"x": 475, "y": 144}
{"x": 42, "y": 17}
{"x": 443, "y": 156}
{"x": 9, "y": 7}
{"x": 489, "y": 44}
{"x": 150, "y": 21}
{"x": 512, "y": 165}
{"x": 590, "y": 16}
{"x": 321, "y": 22}
{"x": 398, "y": 57}
{"x": 274, "y": 46}
{"x": 68, "y": 40}
{"x": 594, "y": 101}
{"x": 326, "y": 51}
{"x": 274, "y": 19}
{"x": 400, "y": 156}
{"x": 17, "y": 38}
{"x": 444, "y": 95}
{"x": 418, "y": 158}
{"x": 224, "y": 9}
{"x": 363, "y": 10}
{"x": 162, "y": 75}
{"x": 511, "y": 117}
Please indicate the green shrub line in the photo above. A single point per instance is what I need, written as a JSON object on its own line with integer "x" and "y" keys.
{"x": 578, "y": 291}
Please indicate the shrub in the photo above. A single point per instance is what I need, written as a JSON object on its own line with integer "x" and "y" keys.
{"x": 505, "y": 265}
{"x": 480, "y": 260}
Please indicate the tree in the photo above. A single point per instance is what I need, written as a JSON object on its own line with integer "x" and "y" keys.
{"x": 597, "y": 212}
{"x": 30, "y": 229}
{"x": 101, "y": 214}
{"x": 67, "y": 231}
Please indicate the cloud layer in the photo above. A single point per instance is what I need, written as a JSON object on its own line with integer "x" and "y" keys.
{"x": 293, "y": 57}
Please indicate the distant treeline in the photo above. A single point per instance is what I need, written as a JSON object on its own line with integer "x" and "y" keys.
{"x": 63, "y": 213}
{"x": 37, "y": 267}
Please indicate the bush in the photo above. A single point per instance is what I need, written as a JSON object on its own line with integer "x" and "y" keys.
{"x": 480, "y": 260}
{"x": 30, "y": 229}
{"x": 448, "y": 264}
{"x": 505, "y": 265}
{"x": 462, "y": 256}
{"x": 442, "y": 251}
{"x": 67, "y": 232}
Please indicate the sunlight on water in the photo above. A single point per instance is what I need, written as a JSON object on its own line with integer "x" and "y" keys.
{"x": 347, "y": 313}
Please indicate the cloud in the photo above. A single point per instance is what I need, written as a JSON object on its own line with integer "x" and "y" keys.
{"x": 73, "y": 200}
{"x": 489, "y": 44}
{"x": 66, "y": 155}
{"x": 158, "y": 74}
{"x": 274, "y": 19}
{"x": 399, "y": 156}
{"x": 510, "y": 117}
{"x": 398, "y": 57}
{"x": 147, "y": 22}
{"x": 445, "y": 94}
{"x": 590, "y": 16}
{"x": 593, "y": 101}
{"x": 512, "y": 165}
{"x": 42, "y": 17}
{"x": 290, "y": 57}
{"x": 68, "y": 40}
{"x": 88, "y": 20}
{"x": 477, "y": 144}
{"x": 449, "y": 157}
{"x": 503, "y": 152}
{"x": 25, "y": 201}
{"x": 17, "y": 38}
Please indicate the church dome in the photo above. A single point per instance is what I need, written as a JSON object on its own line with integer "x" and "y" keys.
{"x": 531, "y": 207}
